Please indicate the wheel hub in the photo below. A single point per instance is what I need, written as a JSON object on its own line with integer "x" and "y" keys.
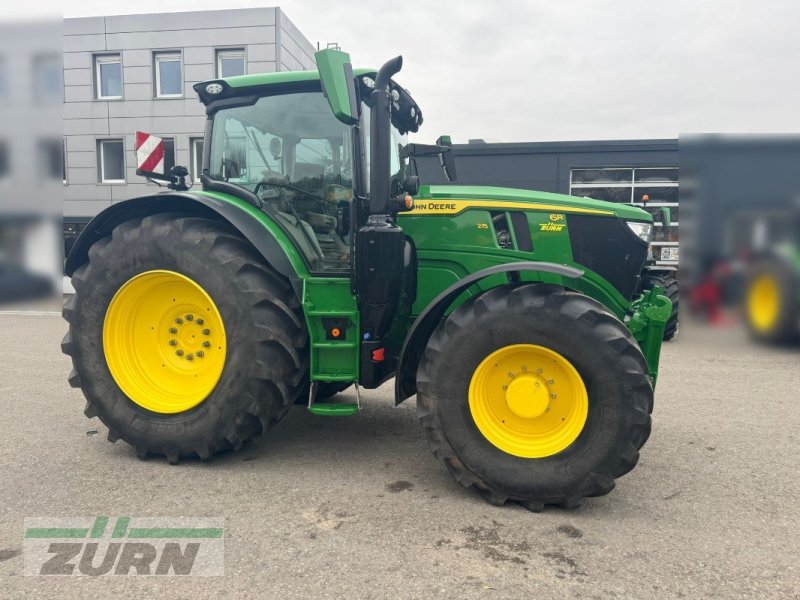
{"x": 528, "y": 400}
{"x": 164, "y": 341}
{"x": 527, "y": 396}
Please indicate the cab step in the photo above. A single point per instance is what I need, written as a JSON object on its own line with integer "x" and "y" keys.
{"x": 333, "y": 410}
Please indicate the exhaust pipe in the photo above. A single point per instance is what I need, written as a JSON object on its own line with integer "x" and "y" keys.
{"x": 380, "y": 143}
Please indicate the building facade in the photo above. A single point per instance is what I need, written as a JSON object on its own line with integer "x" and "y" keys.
{"x": 628, "y": 171}
{"x": 136, "y": 72}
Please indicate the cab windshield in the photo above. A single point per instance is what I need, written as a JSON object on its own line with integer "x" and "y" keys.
{"x": 298, "y": 159}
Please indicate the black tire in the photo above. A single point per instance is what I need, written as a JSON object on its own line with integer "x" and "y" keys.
{"x": 786, "y": 329}
{"x": 266, "y": 362}
{"x": 581, "y": 330}
{"x": 669, "y": 283}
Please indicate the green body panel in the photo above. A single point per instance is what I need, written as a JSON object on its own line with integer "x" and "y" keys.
{"x": 451, "y": 246}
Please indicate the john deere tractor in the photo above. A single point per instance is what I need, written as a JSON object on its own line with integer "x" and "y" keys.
{"x": 309, "y": 259}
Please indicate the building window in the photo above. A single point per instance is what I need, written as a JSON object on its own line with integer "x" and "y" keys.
{"x": 230, "y": 62}
{"x": 108, "y": 77}
{"x": 196, "y": 147}
{"x": 169, "y": 74}
{"x": 5, "y": 160}
{"x": 652, "y": 188}
{"x": 111, "y": 161}
{"x": 51, "y": 151}
{"x": 3, "y": 77}
{"x": 49, "y": 83}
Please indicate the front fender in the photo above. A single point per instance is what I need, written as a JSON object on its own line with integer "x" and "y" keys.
{"x": 423, "y": 327}
{"x": 254, "y": 225}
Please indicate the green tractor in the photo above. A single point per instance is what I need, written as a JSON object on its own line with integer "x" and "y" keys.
{"x": 311, "y": 259}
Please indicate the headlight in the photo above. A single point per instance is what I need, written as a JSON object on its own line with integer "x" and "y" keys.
{"x": 643, "y": 230}
{"x": 214, "y": 88}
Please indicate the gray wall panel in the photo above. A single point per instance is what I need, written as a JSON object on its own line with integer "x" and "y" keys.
{"x": 137, "y": 58}
{"x": 78, "y": 93}
{"x": 77, "y": 60}
{"x": 87, "y": 110}
{"x": 168, "y": 40}
{"x": 190, "y": 20}
{"x": 260, "y": 67}
{"x": 84, "y": 43}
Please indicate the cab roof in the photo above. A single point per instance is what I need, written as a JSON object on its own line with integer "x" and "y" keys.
{"x": 241, "y": 81}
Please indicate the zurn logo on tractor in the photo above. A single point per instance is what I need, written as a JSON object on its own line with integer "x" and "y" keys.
{"x": 300, "y": 269}
{"x": 99, "y": 546}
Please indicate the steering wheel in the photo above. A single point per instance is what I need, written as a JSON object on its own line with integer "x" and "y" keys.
{"x": 269, "y": 177}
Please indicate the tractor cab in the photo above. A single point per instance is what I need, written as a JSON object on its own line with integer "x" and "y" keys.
{"x": 280, "y": 146}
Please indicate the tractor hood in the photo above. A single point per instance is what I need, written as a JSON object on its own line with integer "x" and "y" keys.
{"x": 430, "y": 197}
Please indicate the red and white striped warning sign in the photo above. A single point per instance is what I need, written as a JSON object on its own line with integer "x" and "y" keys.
{"x": 149, "y": 153}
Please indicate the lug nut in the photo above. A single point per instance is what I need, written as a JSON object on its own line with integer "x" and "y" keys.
{"x": 553, "y": 396}
{"x": 206, "y": 331}
{"x": 179, "y": 352}
{"x": 199, "y": 354}
{"x": 173, "y": 330}
{"x": 190, "y": 357}
{"x": 189, "y": 317}
{"x": 538, "y": 371}
{"x": 173, "y": 342}
{"x": 206, "y": 344}
{"x": 179, "y": 320}
{"x": 551, "y": 381}
{"x": 199, "y": 321}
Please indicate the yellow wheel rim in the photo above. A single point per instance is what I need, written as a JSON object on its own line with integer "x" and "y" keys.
{"x": 528, "y": 401}
{"x": 164, "y": 341}
{"x": 764, "y": 302}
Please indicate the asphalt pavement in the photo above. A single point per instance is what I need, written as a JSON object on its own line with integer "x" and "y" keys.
{"x": 357, "y": 507}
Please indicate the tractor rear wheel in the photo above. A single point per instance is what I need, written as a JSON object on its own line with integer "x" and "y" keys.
{"x": 772, "y": 302}
{"x": 183, "y": 340}
{"x": 534, "y": 394}
{"x": 669, "y": 283}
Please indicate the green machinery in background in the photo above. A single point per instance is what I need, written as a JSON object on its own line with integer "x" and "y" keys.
{"x": 310, "y": 259}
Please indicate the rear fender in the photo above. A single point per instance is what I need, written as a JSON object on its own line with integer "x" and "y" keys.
{"x": 253, "y": 226}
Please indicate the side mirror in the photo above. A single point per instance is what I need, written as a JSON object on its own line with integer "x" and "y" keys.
{"x": 447, "y": 158}
{"x": 338, "y": 85}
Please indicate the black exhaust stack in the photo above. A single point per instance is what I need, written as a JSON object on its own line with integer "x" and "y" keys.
{"x": 380, "y": 147}
{"x": 380, "y": 242}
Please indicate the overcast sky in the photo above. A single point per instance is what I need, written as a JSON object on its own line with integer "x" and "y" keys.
{"x": 527, "y": 70}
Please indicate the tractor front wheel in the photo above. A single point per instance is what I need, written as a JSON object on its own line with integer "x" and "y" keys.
{"x": 536, "y": 395}
{"x": 183, "y": 340}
